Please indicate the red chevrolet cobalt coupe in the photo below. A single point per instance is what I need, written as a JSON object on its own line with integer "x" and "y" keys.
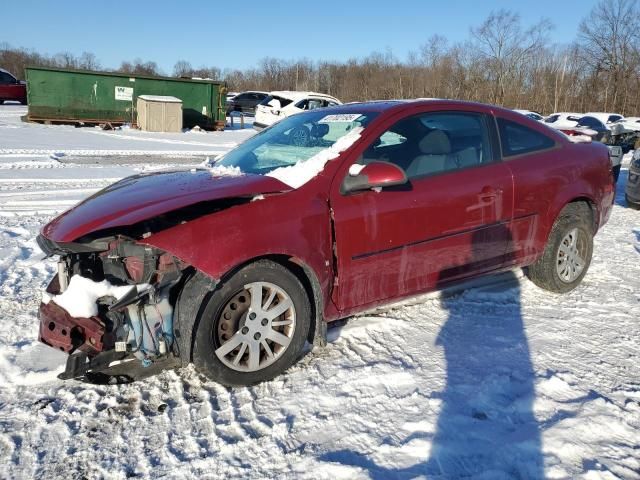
{"x": 326, "y": 214}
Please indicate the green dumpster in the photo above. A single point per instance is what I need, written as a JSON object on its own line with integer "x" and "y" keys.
{"x": 72, "y": 96}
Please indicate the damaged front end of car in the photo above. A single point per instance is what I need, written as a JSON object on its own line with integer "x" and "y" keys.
{"x": 132, "y": 289}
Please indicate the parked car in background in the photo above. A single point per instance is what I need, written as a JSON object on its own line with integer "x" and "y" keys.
{"x": 632, "y": 189}
{"x": 593, "y": 129}
{"x": 279, "y": 105}
{"x": 606, "y": 118}
{"x": 245, "y": 102}
{"x": 626, "y": 133}
{"x": 531, "y": 114}
{"x": 12, "y": 89}
{"x": 590, "y": 126}
{"x": 237, "y": 267}
{"x": 230, "y": 95}
{"x": 563, "y": 119}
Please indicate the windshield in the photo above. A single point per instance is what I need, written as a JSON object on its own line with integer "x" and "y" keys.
{"x": 294, "y": 140}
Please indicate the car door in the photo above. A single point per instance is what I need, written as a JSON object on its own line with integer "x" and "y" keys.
{"x": 449, "y": 222}
{"x": 254, "y": 99}
{"x": 8, "y": 87}
{"x": 241, "y": 102}
{"x": 532, "y": 157}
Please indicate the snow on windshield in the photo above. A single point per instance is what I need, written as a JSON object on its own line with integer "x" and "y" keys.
{"x": 297, "y": 148}
{"x": 297, "y": 175}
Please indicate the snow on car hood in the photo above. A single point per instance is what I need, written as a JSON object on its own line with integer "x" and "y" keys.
{"x": 141, "y": 197}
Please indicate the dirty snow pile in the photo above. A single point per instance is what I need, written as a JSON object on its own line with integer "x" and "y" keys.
{"x": 500, "y": 381}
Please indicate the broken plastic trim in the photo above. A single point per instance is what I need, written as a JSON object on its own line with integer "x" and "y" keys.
{"x": 111, "y": 367}
{"x": 50, "y": 248}
{"x": 131, "y": 297}
{"x": 164, "y": 221}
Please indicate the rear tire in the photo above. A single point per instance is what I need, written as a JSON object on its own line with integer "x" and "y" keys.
{"x": 233, "y": 318}
{"x": 567, "y": 255}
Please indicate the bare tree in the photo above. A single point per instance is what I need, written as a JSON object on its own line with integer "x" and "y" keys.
{"x": 182, "y": 68}
{"x": 503, "y": 61}
{"x": 139, "y": 67}
{"x": 610, "y": 38}
{"x": 88, "y": 61}
{"x": 506, "y": 46}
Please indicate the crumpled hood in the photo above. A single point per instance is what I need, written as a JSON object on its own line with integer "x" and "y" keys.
{"x": 141, "y": 197}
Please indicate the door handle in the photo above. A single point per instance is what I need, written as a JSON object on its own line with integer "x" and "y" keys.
{"x": 489, "y": 193}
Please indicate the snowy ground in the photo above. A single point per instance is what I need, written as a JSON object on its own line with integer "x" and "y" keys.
{"x": 497, "y": 382}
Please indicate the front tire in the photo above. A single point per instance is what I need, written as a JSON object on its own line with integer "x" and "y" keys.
{"x": 253, "y": 326}
{"x": 567, "y": 255}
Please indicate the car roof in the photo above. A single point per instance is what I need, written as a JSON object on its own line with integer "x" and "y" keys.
{"x": 295, "y": 95}
{"x": 6, "y": 71}
{"x": 567, "y": 114}
{"x": 383, "y": 105}
{"x": 602, "y": 116}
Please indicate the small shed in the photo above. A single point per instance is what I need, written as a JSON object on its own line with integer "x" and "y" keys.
{"x": 158, "y": 113}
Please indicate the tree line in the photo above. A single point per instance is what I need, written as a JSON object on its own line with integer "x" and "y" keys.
{"x": 503, "y": 61}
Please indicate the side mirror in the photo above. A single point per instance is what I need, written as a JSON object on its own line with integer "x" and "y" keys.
{"x": 375, "y": 175}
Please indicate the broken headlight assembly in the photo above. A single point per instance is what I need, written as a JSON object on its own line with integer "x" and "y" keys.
{"x": 111, "y": 301}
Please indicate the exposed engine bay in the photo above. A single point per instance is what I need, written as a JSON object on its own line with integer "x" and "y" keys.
{"x": 111, "y": 303}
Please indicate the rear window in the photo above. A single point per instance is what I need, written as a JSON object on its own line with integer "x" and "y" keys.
{"x": 590, "y": 122}
{"x": 517, "y": 139}
{"x": 283, "y": 101}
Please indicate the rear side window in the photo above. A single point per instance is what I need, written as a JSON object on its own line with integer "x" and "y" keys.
{"x": 281, "y": 100}
{"x": 6, "y": 78}
{"x": 517, "y": 139}
{"x": 552, "y": 118}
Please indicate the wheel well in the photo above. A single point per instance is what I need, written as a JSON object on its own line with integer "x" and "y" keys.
{"x": 589, "y": 207}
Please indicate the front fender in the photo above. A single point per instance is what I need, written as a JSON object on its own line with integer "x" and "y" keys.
{"x": 292, "y": 225}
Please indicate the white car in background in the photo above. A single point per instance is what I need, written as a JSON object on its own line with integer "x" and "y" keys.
{"x": 561, "y": 120}
{"x": 531, "y": 114}
{"x": 282, "y": 104}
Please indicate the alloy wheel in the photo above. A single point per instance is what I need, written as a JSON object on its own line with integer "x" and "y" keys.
{"x": 255, "y": 327}
{"x": 571, "y": 256}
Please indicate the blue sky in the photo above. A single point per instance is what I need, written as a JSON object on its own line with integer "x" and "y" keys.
{"x": 238, "y": 34}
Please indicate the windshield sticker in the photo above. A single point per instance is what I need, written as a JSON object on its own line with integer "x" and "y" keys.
{"x": 340, "y": 117}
